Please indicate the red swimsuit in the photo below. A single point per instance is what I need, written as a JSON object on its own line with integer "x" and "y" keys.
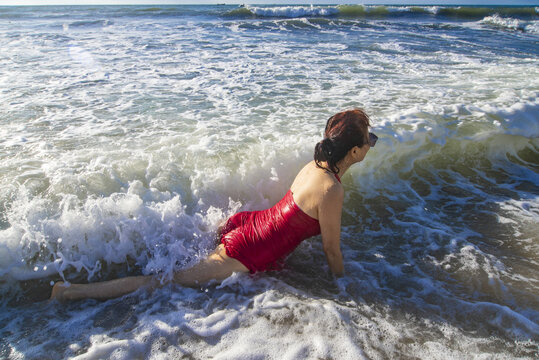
{"x": 260, "y": 240}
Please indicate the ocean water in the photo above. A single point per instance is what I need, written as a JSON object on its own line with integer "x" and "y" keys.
{"x": 129, "y": 133}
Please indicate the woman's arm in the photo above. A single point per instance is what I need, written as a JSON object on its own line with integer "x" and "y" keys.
{"x": 329, "y": 216}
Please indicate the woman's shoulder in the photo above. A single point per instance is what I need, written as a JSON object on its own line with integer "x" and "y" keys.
{"x": 333, "y": 188}
{"x": 313, "y": 187}
{"x": 318, "y": 179}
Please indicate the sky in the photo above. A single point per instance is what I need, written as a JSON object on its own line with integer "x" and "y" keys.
{"x": 290, "y": 2}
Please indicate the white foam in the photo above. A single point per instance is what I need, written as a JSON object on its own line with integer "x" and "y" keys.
{"x": 293, "y": 11}
{"x": 108, "y": 230}
{"x": 521, "y": 118}
{"x": 511, "y": 23}
{"x": 273, "y": 325}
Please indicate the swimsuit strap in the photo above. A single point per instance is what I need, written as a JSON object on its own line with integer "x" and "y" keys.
{"x": 338, "y": 178}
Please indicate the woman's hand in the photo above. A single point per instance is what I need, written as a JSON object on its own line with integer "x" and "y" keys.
{"x": 335, "y": 262}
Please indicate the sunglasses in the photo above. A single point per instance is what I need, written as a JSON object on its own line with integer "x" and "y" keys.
{"x": 372, "y": 139}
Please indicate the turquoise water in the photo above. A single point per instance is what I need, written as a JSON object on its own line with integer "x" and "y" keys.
{"x": 128, "y": 133}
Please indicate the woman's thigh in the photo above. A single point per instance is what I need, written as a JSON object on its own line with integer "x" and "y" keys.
{"x": 221, "y": 262}
{"x": 217, "y": 266}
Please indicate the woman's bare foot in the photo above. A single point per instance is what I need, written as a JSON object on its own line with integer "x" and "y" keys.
{"x": 58, "y": 291}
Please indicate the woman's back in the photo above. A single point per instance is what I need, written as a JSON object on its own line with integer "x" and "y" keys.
{"x": 310, "y": 186}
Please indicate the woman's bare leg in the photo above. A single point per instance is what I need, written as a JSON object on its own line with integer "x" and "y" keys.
{"x": 102, "y": 290}
{"x": 217, "y": 266}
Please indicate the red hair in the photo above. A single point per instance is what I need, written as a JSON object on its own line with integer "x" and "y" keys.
{"x": 343, "y": 131}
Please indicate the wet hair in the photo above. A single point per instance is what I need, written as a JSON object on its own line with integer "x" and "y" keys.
{"x": 343, "y": 131}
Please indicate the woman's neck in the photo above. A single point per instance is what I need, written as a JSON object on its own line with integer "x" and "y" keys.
{"x": 343, "y": 166}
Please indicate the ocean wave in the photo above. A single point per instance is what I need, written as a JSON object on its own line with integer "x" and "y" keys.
{"x": 350, "y": 11}
{"x": 465, "y": 13}
{"x": 512, "y": 24}
{"x": 90, "y": 23}
{"x": 285, "y": 11}
{"x": 46, "y": 239}
{"x": 372, "y": 11}
{"x": 480, "y": 12}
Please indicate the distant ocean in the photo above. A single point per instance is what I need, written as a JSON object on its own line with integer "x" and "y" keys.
{"x": 128, "y": 133}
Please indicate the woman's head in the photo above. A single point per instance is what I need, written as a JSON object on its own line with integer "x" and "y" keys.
{"x": 344, "y": 130}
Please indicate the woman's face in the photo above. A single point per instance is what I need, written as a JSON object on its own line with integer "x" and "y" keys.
{"x": 360, "y": 152}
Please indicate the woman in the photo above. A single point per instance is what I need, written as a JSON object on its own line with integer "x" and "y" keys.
{"x": 259, "y": 240}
